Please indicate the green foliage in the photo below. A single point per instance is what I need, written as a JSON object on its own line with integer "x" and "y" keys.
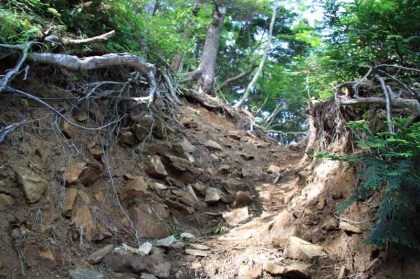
{"x": 389, "y": 165}
{"x": 365, "y": 32}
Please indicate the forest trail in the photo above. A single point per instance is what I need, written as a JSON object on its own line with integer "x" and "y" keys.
{"x": 199, "y": 194}
{"x": 243, "y": 247}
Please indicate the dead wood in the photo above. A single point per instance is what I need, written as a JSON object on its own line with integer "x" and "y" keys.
{"x": 74, "y": 63}
{"x": 68, "y": 41}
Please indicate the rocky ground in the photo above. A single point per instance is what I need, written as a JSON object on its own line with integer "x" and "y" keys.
{"x": 184, "y": 195}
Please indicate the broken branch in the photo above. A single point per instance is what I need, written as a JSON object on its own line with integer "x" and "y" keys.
{"x": 68, "y": 41}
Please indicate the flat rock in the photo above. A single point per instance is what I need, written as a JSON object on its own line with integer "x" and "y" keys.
{"x": 69, "y": 131}
{"x": 84, "y": 222}
{"x": 157, "y": 264}
{"x": 200, "y": 187}
{"x": 166, "y": 242}
{"x": 73, "y": 172}
{"x": 90, "y": 175}
{"x": 148, "y": 225}
{"x": 241, "y": 199}
{"x": 236, "y": 216}
{"x": 199, "y": 246}
{"x": 297, "y": 248}
{"x": 100, "y": 254}
{"x": 128, "y": 138}
{"x": 155, "y": 167}
{"x": 143, "y": 127}
{"x": 69, "y": 200}
{"x": 196, "y": 252}
{"x": 280, "y": 229}
{"x": 97, "y": 152}
{"x": 6, "y": 202}
{"x": 213, "y": 146}
{"x": 82, "y": 273}
{"x": 145, "y": 248}
{"x": 295, "y": 270}
{"x": 330, "y": 224}
{"x": 135, "y": 188}
{"x": 33, "y": 185}
{"x": 186, "y": 146}
{"x": 85, "y": 197}
{"x": 147, "y": 276}
{"x": 159, "y": 186}
{"x": 212, "y": 195}
{"x": 160, "y": 131}
{"x": 350, "y": 228}
{"x": 178, "y": 164}
{"x": 273, "y": 169}
{"x": 187, "y": 236}
{"x": 245, "y": 272}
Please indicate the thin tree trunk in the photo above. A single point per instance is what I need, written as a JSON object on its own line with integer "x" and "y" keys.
{"x": 207, "y": 65}
{"x": 261, "y": 66}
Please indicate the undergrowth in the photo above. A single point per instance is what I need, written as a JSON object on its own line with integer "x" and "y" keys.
{"x": 389, "y": 165}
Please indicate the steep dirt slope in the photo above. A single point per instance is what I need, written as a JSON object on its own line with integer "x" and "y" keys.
{"x": 202, "y": 197}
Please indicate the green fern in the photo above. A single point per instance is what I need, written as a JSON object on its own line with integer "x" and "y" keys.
{"x": 390, "y": 165}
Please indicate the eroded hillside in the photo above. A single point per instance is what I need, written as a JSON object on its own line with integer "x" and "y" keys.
{"x": 179, "y": 192}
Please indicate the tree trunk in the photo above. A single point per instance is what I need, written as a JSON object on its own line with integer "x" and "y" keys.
{"x": 207, "y": 65}
{"x": 261, "y": 66}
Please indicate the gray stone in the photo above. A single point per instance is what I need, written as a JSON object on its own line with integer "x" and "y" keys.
{"x": 212, "y": 195}
{"x": 166, "y": 242}
{"x": 100, "y": 254}
{"x": 128, "y": 138}
{"x": 145, "y": 248}
{"x": 143, "y": 127}
{"x": 82, "y": 273}
{"x": 213, "y": 146}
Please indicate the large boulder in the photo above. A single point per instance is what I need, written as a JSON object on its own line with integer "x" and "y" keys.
{"x": 147, "y": 224}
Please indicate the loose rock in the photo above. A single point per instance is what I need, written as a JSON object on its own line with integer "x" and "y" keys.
{"x": 166, "y": 242}
{"x": 297, "y": 248}
{"x": 246, "y": 272}
{"x": 213, "y": 146}
{"x": 350, "y": 228}
{"x": 33, "y": 185}
{"x": 212, "y": 195}
{"x": 197, "y": 253}
{"x": 82, "y": 273}
{"x": 155, "y": 168}
{"x": 100, "y": 254}
{"x": 71, "y": 194}
{"x": 236, "y": 216}
{"x": 73, "y": 172}
{"x": 6, "y": 201}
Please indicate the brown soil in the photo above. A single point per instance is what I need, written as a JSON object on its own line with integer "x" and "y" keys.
{"x": 38, "y": 239}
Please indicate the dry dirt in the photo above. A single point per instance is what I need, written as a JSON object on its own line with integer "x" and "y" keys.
{"x": 66, "y": 193}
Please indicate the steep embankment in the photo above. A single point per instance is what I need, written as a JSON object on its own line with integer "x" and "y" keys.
{"x": 203, "y": 199}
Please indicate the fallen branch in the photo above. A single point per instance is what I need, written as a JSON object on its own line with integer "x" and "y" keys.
{"x": 68, "y": 41}
{"x": 387, "y": 102}
{"x": 412, "y": 104}
{"x": 74, "y": 63}
{"x": 15, "y": 71}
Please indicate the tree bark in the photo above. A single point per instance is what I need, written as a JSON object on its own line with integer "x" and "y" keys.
{"x": 207, "y": 65}
{"x": 261, "y": 66}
